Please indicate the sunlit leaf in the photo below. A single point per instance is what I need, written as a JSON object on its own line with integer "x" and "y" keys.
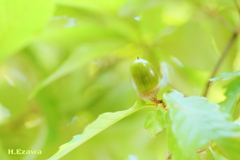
{"x": 134, "y": 7}
{"x": 3, "y": 154}
{"x": 176, "y": 14}
{"x": 173, "y": 145}
{"x": 73, "y": 37}
{"x": 104, "y": 121}
{"x": 96, "y": 25}
{"x": 216, "y": 155}
{"x": 154, "y": 123}
{"x": 225, "y": 76}
{"x": 4, "y": 113}
{"x": 77, "y": 60}
{"x": 207, "y": 155}
{"x": 232, "y": 95}
{"x": 197, "y": 122}
{"x": 100, "y": 6}
{"x": 20, "y": 21}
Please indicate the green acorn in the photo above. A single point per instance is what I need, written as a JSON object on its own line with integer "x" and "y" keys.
{"x": 144, "y": 79}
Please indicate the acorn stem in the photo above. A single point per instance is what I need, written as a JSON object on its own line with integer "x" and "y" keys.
{"x": 159, "y": 101}
{"x": 169, "y": 156}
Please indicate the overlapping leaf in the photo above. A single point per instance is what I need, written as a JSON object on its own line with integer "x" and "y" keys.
{"x": 154, "y": 123}
{"x": 197, "y": 122}
{"x": 225, "y": 76}
{"x": 216, "y": 155}
{"x": 104, "y": 121}
{"x": 73, "y": 62}
{"x": 232, "y": 95}
{"x": 173, "y": 145}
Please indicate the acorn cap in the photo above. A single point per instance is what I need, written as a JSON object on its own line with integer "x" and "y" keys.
{"x": 144, "y": 79}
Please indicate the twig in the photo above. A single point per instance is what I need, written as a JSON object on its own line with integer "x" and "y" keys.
{"x": 237, "y": 6}
{"x": 223, "y": 55}
{"x": 212, "y": 13}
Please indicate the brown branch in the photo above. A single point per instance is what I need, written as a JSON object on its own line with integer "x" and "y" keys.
{"x": 223, "y": 55}
{"x": 237, "y": 6}
{"x": 213, "y": 13}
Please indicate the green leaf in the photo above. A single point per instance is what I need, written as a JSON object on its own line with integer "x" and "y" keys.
{"x": 92, "y": 5}
{"x": 232, "y": 95}
{"x": 216, "y": 155}
{"x": 83, "y": 33}
{"x": 207, "y": 155}
{"x": 3, "y": 154}
{"x": 72, "y": 63}
{"x": 173, "y": 146}
{"x": 225, "y": 76}
{"x": 20, "y": 21}
{"x": 132, "y": 8}
{"x": 104, "y": 121}
{"x": 197, "y": 122}
{"x": 154, "y": 123}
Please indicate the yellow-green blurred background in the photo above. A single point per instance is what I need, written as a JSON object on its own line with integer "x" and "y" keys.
{"x": 64, "y": 62}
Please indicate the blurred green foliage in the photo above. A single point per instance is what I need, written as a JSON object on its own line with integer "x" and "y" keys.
{"x": 65, "y": 62}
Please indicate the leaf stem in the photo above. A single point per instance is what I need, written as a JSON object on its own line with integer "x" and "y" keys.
{"x": 223, "y": 56}
{"x": 202, "y": 150}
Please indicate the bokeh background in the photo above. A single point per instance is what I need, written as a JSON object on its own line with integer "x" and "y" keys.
{"x": 63, "y": 63}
